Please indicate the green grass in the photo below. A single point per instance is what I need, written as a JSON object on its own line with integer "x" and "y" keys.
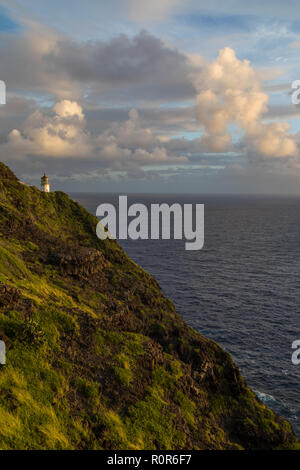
{"x": 12, "y": 265}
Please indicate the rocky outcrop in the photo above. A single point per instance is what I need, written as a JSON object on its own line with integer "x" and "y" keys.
{"x": 79, "y": 261}
{"x": 8, "y": 295}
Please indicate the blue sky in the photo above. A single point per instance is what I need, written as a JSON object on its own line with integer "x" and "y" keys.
{"x": 6, "y": 22}
{"x": 204, "y": 119}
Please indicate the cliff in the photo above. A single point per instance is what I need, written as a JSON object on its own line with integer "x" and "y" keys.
{"x": 97, "y": 357}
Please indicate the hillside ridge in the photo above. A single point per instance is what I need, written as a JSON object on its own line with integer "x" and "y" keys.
{"x": 97, "y": 356}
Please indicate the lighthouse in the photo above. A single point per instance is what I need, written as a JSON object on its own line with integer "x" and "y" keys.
{"x": 45, "y": 187}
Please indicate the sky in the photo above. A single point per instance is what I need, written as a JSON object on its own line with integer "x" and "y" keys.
{"x": 164, "y": 96}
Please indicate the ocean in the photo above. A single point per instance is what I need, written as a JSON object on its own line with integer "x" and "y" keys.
{"x": 241, "y": 289}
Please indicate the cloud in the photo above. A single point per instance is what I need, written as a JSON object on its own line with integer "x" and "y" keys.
{"x": 14, "y": 113}
{"x": 141, "y": 67}
{"x": 162, "y": 120}
{"x": 24, "y": 63}
{"x": 136, "y": 69}
{"x": 271, "y": 140}
{"x": 141, "y": 70}
{"x": 230, "y": 93}
{"x": 61, "y": 133}
{"x": 68, "y": 109}
{"x": 216, "y": 143}
{"x": 93, "y": 84}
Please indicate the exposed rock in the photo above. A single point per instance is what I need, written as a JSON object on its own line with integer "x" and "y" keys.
{"x": 79, "y": 261}
{"x": 8, "y": 295}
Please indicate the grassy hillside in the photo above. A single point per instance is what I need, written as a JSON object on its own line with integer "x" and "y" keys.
{"x": 97, "y": 357}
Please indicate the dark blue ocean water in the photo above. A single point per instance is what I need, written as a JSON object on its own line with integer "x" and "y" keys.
{"x": 241, "y": 289}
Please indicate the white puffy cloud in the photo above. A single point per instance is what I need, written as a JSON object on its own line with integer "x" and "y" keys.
{"x": 61, "y": 133}
{"x": 230, "y": 92}
{"x": 271, "y": 140}
{"x": 67, "y": 109}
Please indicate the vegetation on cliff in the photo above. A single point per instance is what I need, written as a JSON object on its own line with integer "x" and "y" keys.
{"x": 97, "y": 357}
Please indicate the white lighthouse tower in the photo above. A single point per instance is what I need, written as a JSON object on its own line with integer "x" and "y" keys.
{"x": 45, "y": 186}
